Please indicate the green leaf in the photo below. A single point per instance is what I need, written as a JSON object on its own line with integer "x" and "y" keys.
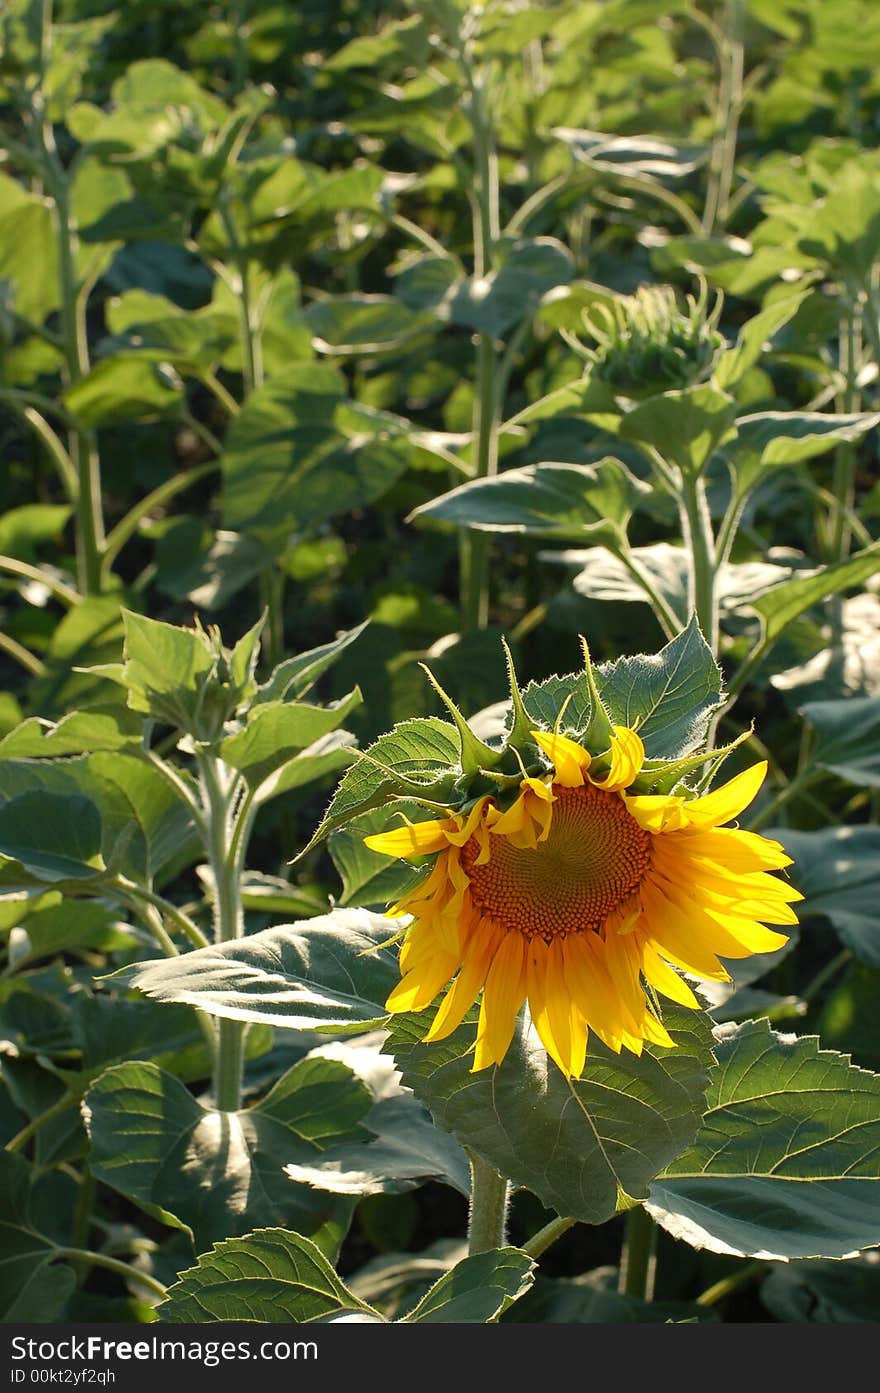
{"x": 357, "y": 323}
{"x": 404, "y": 1150}
{"x": 269, "y": 1274}
{"x": 632, "y": 154}
{"x": 593, "y": 1299}
{"x": 370, "y": 880}
{"x": 847, "y": 738}
{"x": 544, "y": 500}
{"x": 166, "y": 668}
{"x": 24, "y": 529}
{"x": 419, "y": 755}
{"x": 145, "y": 829}
{"x": 478, "y": 1289}
{"x": 26, "y": 1254}
{"x": 523, "y": 273}
{"x": 29, "y": 254}
{"x": 837, "y": 870}
{"x": 826, "y": 1292}
{"x": 685, "y": 426}
{"x": 786, "y": 1161}
{"x": 326, "y": 756}
{"x": 125, "y": 387}
{"x": 90, "y": 634}
{"x": 569, "y": 1141}
{"x": 770, "y": 439}
{"x": 667, "y": 696}
{"x": 275, "y": 731}
{"x": 604, "y": 576}
{"x": 216, "y": 1174}
{"x": 296, "y": 676}
{"x": 782, "y": 603}
{"x": 54, "y": 838}
{"x": 71, "y": 925}
{"x": 299, "y": 452}
{"x": 732, "y": 366}
{"x": 327, "y": 973}
{"x": 79, "y": 733}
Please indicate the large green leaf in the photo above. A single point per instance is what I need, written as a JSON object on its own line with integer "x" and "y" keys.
{"x": 267, "y": 1275}
{"x": 126, "y": 387}
{"x": 166, "y": 669}
{"x": 348, "y": 324}
{"x": 294, "y": 678}
{"x": 27, "y": 1283}
{"x": 28, "y": 252}
{"x": 786, "y": 1161}
{"x": 782, "y": 603}
{"x": 424, "y": 752}
{"x": 836, "y": 1292}
{"x": 143, "y": 829}
{"x": 405, "y": 1149}
{"x": 684, "y": 426}
{"x": 576, "y": 1143}
{"x": 847, "y": 738}
{"x": 733, "y": 364}
{"x": 523, "y": 273}
{"x": 478, "y": 1289}
{"x": 54, "y": 838}
{"x": 668, "y": 696}
{"x": 770, "y": 439}
{"x": 371, "y": 880}
{"x": 79, "y": 733}
{"x": 274, "y": 732}
{"x": 299, "y": 452}
{"x": 560, "y": 501}
{"x": 327, "y": 973}
{"x": 837, "y": 869}
{"x": 218, "y": 1174}
{"x": 593, "y": 1299}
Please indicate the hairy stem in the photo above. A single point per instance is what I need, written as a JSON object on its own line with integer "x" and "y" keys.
{"x": 219, "y": 786}
{"x": 639, "y": 1257}
{"x": 697, "y": 529}
{"x": 123, "y": 1269}
{"x": 488, "y": 1213}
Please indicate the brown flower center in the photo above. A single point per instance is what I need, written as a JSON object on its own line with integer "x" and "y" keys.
{"x": 594, "y": 857}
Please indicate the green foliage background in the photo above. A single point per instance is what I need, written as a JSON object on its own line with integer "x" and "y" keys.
{"x": 337, "y": 312}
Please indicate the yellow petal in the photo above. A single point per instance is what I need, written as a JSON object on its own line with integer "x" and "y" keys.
{"x": 734, "y": 849}
{"x": 627, "y": 758}
{"x": 419, "y": 987}
{"x": 466, "y": 827}
{"x": 655, "y": 1032}
{"x": 569, "y": 759}
{"x": 665, "y": 979}
{"x": 550, "y": 1002}
{"x": 461, "y": 995}
{"x": 727, "y": 802}
{"x": 413, "y": 839}
{"x": 669, "y": 930}
{"x": 503, "y": 995}
{"x": 656, "y": 812}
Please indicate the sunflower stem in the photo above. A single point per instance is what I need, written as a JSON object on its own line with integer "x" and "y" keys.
{"x": 639, "y": 1258}
{"x": 545, "y": 1237}
{"x": 219, "y": 794}
{"x": 697, "y": 528}
{"x": 488, "y": 1215}
{"x": 487, "y": 404}
{"x": 744, "y": 1275}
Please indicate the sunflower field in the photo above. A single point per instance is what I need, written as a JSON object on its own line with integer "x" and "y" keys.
{"x": 439, "y": 661}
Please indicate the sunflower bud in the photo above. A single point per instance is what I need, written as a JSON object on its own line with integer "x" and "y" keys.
{"x": 646, "y": 345}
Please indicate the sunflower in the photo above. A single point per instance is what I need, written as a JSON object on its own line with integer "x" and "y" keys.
{"x": 583, "y": 899}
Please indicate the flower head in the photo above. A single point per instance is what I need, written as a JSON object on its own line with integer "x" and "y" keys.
{"x": 646, "y": 345}
{"x": 582, "y": 897}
